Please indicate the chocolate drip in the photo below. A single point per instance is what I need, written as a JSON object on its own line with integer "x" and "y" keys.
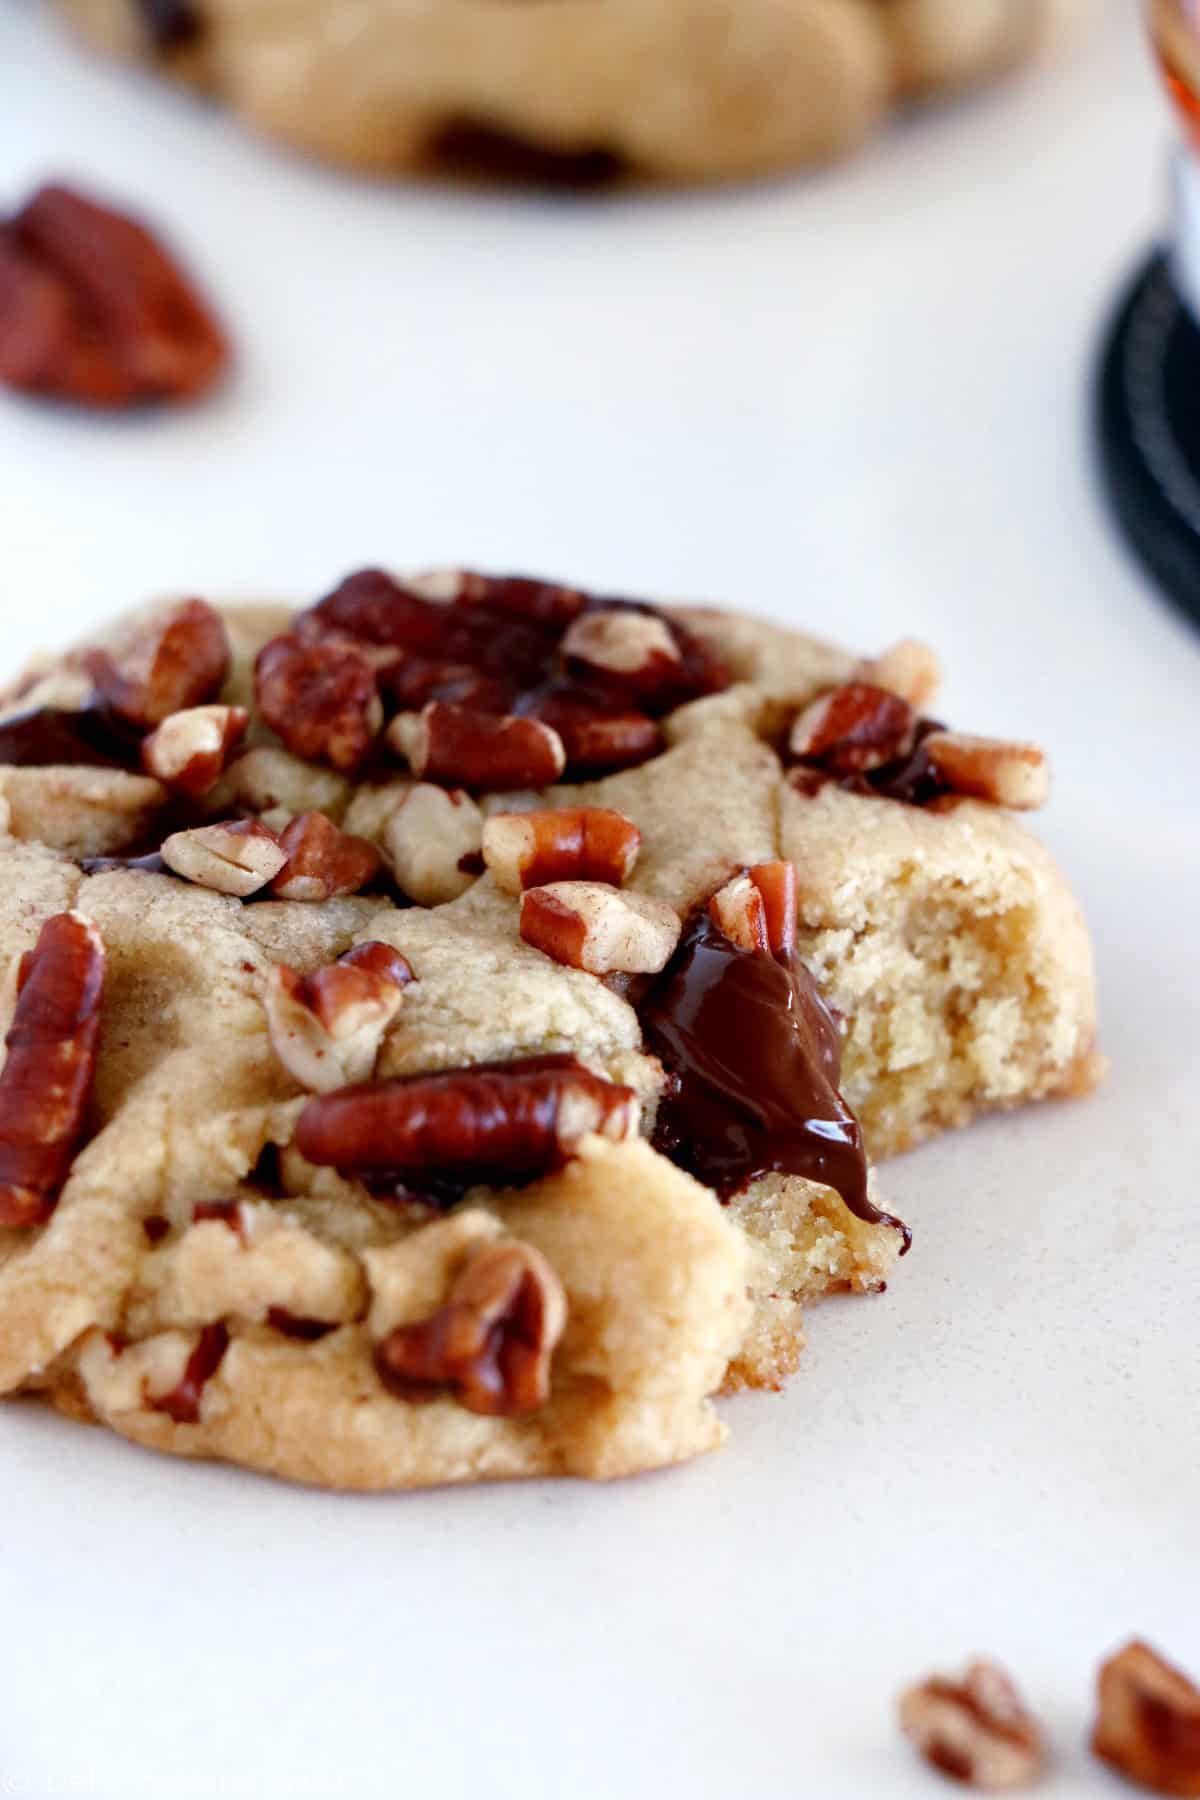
{"x": 755, "y": 1056}
{"x": 50, "y": 736}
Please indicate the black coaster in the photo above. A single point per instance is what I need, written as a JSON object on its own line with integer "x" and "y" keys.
{"x": 1148, "y": 419}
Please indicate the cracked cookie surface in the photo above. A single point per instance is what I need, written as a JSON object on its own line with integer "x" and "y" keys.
{"x": 525, "y": 1279}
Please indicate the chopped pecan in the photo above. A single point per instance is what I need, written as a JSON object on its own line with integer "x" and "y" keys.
{"x": 169, "y": 663}
{"x": 596, "y": 735}
{"x": 588, "y": 925}
{"x": 491, "y": 1343}
{"x": 483, "y": 752}
{"x": 577, "y": 843}
{"x": 220, "y": 1212}
{"x": 323, "y": 862}
{"x": 413, "y": 682}
{"x": 94, "y": 311}
{"x": 190, "y": 750}
{"x": 502, "y": 1122}
{"x": 757, "y": 909}
{"x": 46, "y": 1081}
{"x": 430, "y": 839}
{"x": 184, "y": 1401}
{"x": 636, "y": 648}
{"x": 854, "y": 728}
{"x": 238, "y": 856}
{"x": 327, "y": 1028}
{"x": 321, "y": 698}
{"x": 372, "y": 606}
{"x": 1148, "y": 1724}
{"x": 908, "y": 668}
{"x": 1006, "y": 774}
{"x": 977, "y": 1730}
{"x": 544, "y": 603}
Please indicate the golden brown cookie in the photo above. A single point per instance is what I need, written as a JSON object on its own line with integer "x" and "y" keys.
{"x": 678, "y": 90}
{"x": 443, "y": 1024}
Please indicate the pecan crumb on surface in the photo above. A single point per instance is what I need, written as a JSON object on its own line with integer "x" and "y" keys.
{"x": 976, "y": 1730}
{"x": 95, "y": 311}
{"x": 1148, "y": 1722}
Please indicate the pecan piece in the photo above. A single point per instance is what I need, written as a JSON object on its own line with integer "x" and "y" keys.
{"x": 323, "y": 862}
{"x": 190, "y": 750}
{"x": 977, "y": 1730}
{"x": 596, "y": 736}
{"x": 1013, "y": 775}
{"x": 327, "y": 1028}
{"x": 587, "y": 925}
{"x": 496, "y": 1122}
{"x": 854, "y": 728}
{"x": 93, "y": 310}
{"x": 483, "y": 752}
{"x": 757, "y": 909}
{"x": 578, "y": 843}
{"x": 184, "y": 1401}
{"x": 635, "y": 648}
{"x": 321, "y": 698}
{"x": 238, "y": 856}
{"x": 908, "y": 668}
{"x": 432, "y": 840}
{"x": 492, "y": 1341}
{"x": 543, "y": 603}
{"x": 46, "y": 1081}
{"x": 1148, "y": 1725}
{"x": 176, "y": 660}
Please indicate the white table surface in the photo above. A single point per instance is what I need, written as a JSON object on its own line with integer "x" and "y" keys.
{"x": 857, "y": 402}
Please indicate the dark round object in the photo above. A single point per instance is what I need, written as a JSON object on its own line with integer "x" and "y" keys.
{"x": 1148, "y": 423}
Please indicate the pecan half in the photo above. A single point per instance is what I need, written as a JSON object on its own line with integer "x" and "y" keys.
{"x": 184, "y": 1401}
{"x": 176, "y": 660}
{"x": 483, "y": 752}
{"x": 1005, "y": 774}
{"x": 854, "y": 728}
{"x": 497, "y": 1123}
{"x": 577, "y": 843}
{"x": 491, "y": 1343}
{"x": 977, "y": 1730}
{"x": 432, "y": 841}
{"x": 587, "y": 925}
{"x": 93, "y": 310}
{"x": 638, "y": 649}
{"x": 323, "y": 862}
{"x": 190, "y": 750}
{"x": 46, "y": 1081}
{"x": 321, "y": 698}
{"x": 1148, "y": 1725}
{"x": 238, "y": 856}
{"x": 757, "y": 909}
{"x": 327, "y": 1028}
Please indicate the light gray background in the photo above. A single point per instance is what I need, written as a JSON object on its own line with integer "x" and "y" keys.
{"x": 854, "y": 402}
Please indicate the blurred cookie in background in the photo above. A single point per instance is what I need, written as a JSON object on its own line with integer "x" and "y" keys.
{"x": 575, "y": 91}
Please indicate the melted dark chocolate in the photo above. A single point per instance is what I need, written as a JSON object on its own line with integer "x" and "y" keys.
{"x": 755, "y": 1054}
{"x": 151, "y": 864}
{"x": 171, "y": 24}
{"x": 49, "y": 736}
